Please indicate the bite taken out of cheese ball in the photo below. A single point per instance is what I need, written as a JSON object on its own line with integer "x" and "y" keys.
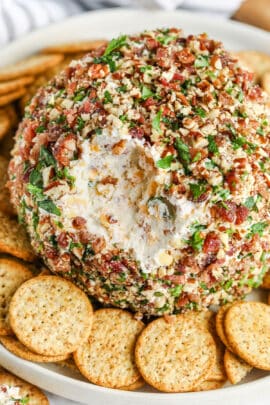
{"x": 142, "y": 174}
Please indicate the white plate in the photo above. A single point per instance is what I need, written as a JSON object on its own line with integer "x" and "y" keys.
{"x": 110, "y": 23}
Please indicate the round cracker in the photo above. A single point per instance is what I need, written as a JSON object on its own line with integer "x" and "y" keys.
{"x": 135, "y": 386}
{"x": 12, "y": 85}
{"x": 258, "y": 62}
{"x": 208, "y": 320}
{"x": 26, "y": 390}
{"x": 10, "y": 97}
{"x": 68, "y": 363}
{"x": 31, "y": 66}
{"x": 5, "y": 123}
{"x": 175, "y": 356}
{"x": 5, "y": 204}
{"x": 74, "y": 47}
{"x": 218, "y": 371}
{"x": 50, "y": 315}
{"x": 208, "y": 385}
{"x": 12, "y": 275}
{"x": 14, "y": 346}
{"x": 107, "y": 359}
{"x": 236, "y": 368}
{"x": 220, "y": 325}
{"x": 247, "y": 327}
{"x": 14, "y": 239}
{"x": 266, "y": 281}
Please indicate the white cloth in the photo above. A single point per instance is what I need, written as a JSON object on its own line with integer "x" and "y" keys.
{"x": 17, "y": 17}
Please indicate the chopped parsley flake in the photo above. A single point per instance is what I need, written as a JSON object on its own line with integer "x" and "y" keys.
{"x": 196, "y": 241}
{"x": 251, "y": 203}
{"x": 212, "y": 146}
{"x": 197, "y": 189}
{"x": 165, "y": 163}
{"x": 146, "y": 93}
{"x": 156, "y": 122}
{"x": 40, "y": 129}
{"x": 114, "y": 44}
{"x": 49, "y": 206}
{"x": 200, "y": 111}
{"x": 183, "y": 153}
{"x": 107, "y": 97}
{"x": 176, "y": 291}
{"x": 201, "y": 61}
{"x": 258, "y": 229}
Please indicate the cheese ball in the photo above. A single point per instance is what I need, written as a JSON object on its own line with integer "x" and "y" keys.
{"x": 142, "y": 174}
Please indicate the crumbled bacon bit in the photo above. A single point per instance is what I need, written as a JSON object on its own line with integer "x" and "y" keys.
{"x": 65, "y": 149}
{"x": 212, "y": 243}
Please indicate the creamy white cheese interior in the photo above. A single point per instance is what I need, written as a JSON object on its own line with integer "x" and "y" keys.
{"x": 132, "y": 213}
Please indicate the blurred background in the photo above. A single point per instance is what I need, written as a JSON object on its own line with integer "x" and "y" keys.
{"x": 17, "y": 17}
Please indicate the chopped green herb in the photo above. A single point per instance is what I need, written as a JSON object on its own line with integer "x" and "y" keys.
{"x": 122, "y": 89}
{"x": 264, "y": 256}
{"x": 73, "y": 245}
{"x": 197, "y": 189}
{"x": 107, "y": 97}
{"x": 37, "y": 192}
{"x": 36, "y": 178}
{"x": 176, "y": 291}
{"x": 40, "y": 129}
{"x": 64, "y": 174}
{"x": 200, "y": 111}
{"x": 165, "y": 163}
{"x": 35, "y": 219}
{"x": 163, "y": 309}
{"x": 221, "y": 193}
{"x": 228, "y": 285}
{"x": 183, "y": 153}
{"x": 80, "y": 123}
{"x": 114, "y": 44}
{"x": 251, "y": 203}
{"x": 211, "y": 74}
{"x": 212, "y": 146}
{"x": 166, "y": 39}
{"x": 79, "y": 95}
{"x": 201, "y": 61}
{"x": 24, "y": 401}
{"x": 145, "y": 68}
{"x": 171, "y": 123}
{"x": 210, "y": 164}
{"x": 229, "y": 90}
{"x": 146, "y": 93}
{"x": 196, "y": 241}
{"x": 240, "y": 96}
{"x": 186, "y": 85}
{"x": 60, "y": 119}
{"x": 197, "y": 157}
{"x": 203, "y": 285}
{"x": 49, "y": 206}
{"x": 260, "y": 131}
{"x": 158, "y": 294}
{"x": 46, "y": 157}
{"x": 98, "y": 131}
{"x": 258, "y": 229}
{"x": 156, "y": 122}
{"x": 123, "y": 118}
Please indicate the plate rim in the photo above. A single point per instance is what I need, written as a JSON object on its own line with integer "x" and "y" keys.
{"x": 9, "y": 357}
